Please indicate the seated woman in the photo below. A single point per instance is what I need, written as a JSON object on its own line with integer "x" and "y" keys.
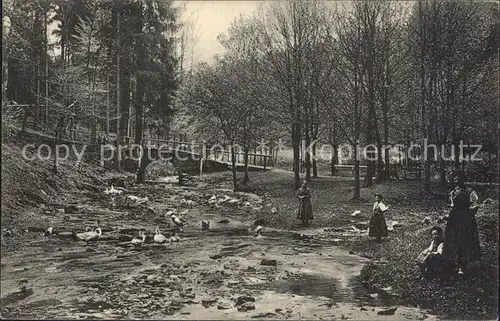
{"x": 430, "y": 260}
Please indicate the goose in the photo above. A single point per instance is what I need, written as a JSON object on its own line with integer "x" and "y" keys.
{"x": 49, "y": 231}
{"x": 213, "y": 200}
{"x": 139, "y": 240}
{"x": 258, "y": 231}
{"x": 247, "y": 204}
{"x": 90, "y": 236}
{"x": 186, "y": 203}
{"x": 159, "y": 238}
{"x": 356, "y": 213}
{"x": 112, "y": 190}
{"x": 137, "y": 200}
{"x": 205, "y": 225}
{"x": 179, "y": 222}
{"x": 224, "y": 200}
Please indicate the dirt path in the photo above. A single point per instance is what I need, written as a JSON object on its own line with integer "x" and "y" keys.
{"x": 215, "y": 274}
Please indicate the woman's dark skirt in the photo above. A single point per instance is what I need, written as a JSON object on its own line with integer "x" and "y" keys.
{"x": 378, "y": 227}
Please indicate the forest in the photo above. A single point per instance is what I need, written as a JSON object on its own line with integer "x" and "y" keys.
{"x": 360, "y": 73}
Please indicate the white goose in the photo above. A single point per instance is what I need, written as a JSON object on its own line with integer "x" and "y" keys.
{"x": 90, "y": 236}
{"x": 139, "y": 240}
{"x": 49, "y": 232}
{"x": 258, "y": 231}
{"x": 179, "y": 222}
{"x": 213, "y": 200}
{"x": 112, "y": 190}
{"x": 159, "y": 238}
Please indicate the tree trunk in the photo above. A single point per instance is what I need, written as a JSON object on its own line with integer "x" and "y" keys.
{"x": 296, "y": 153}
{"x": 140, "y": 82}
{"x": 334, "y": 160}
{"x": 246, "y": 150}
{"x": 314, "y": 162}
{"x": 233, "y": 163}
{"x": 307, "y": 152}
{"x": 118, "y": 96}
{"x": 357, "y": 181}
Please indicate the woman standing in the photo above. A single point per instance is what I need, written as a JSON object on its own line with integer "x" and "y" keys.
{"x": 378, "y": 227}
{"x": 305, "y": 206}
{"x": 461, "y": 238}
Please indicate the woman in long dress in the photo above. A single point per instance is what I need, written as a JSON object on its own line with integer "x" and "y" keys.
{"x": 461, "y": 238}
{"x": 305, "y": 206}
{"x": 378, "y": 226}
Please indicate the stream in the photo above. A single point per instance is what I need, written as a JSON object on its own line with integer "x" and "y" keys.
{"x": 213, "y": 274}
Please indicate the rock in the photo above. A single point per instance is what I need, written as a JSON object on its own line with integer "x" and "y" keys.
{"x": 278, "y": 310}
{"x": 362, "y": 225}
{"x": 260, "y": 222}
{"x": 363, "y": 309}
{"x": 389, "y": 311}
{"x": 224, "y": 306}
{"x": 215, "y": 256}
{"x": 268, "y": 262}
{"x": 263, "y": 315}
{"x": 208, "y": 302}
{"x": 70, "y": 209}
{"x": 246, "y": 307}
{"x": 189, "y": 301}
{"x": 244, "y": 299}
{"x": 223, "y": 221}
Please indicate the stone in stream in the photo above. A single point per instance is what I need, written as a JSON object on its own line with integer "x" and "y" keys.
{"x": 244, "y": 299}
{"x": 362, "y": 225}
{"x": 247, "y": 306}
{"x": 263, "y": 315}
{"x": 268, "y": 262}
{"x": 223, "y": 221}
{"x": 260, "y": 222}
{"x": 389, "y": 311}
{"x": 70, "y": 209}
{"x": 208, "y": 302}
{"x": 224, "y": 306}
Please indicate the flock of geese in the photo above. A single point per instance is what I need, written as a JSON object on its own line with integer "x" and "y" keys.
{"x": 93, "y": 235}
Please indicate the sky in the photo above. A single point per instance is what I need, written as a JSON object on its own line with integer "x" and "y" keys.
{"x": 211, "y": 18}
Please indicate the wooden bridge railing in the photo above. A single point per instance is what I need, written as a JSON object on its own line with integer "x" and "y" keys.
{"x": 209, "y": 151}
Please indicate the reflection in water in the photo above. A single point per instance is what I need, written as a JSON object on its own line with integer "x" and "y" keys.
{"x": 317, "y": 285}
